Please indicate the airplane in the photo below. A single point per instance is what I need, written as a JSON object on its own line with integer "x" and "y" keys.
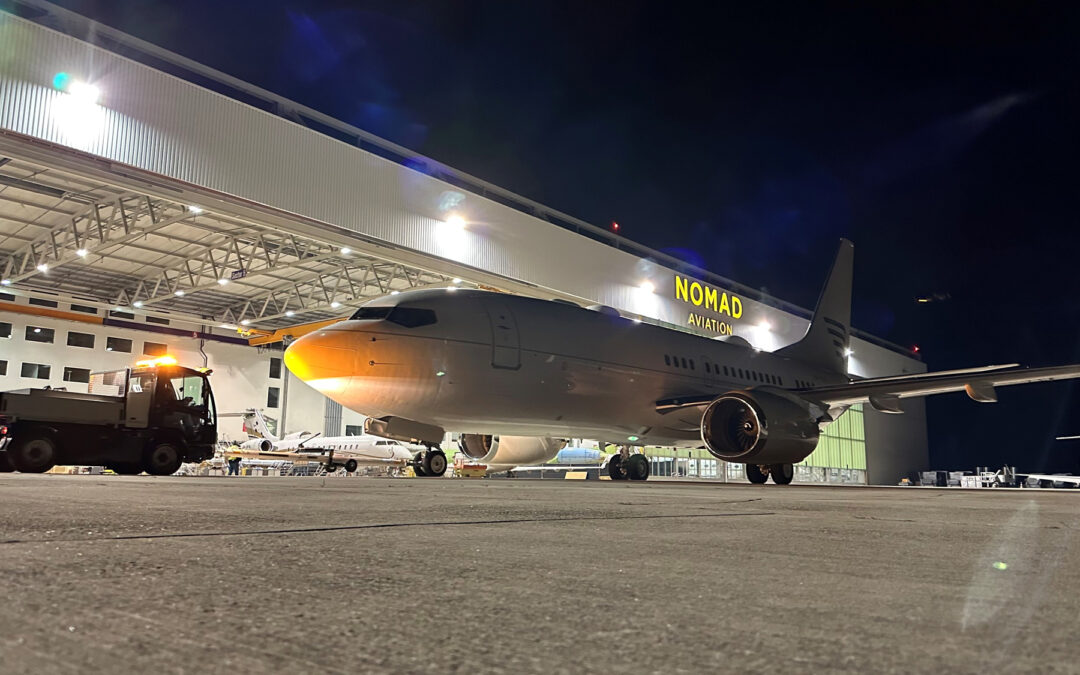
{"x": 348, "y": 452}
{"x": 500, "y": 370}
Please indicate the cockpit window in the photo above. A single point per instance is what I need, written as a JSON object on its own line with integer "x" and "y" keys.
{"x": 410, "y": 317}
{"x": 368, "y": 313}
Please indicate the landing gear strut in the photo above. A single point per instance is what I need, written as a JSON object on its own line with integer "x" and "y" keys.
{"x": 430, "y": 462}
{"x": 782, "y": 474}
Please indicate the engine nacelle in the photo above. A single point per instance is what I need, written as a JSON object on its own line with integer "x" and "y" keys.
{"x": 759, "y": 427}
{"x": 257, "y": 445}
{"x": 510, "y": 451}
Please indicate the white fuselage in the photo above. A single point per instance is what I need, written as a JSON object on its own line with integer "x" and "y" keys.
{"x": 488, "y": 363}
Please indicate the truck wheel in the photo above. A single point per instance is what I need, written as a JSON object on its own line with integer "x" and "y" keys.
{"x": 5, "y": 463}
{"x": 350, "y": 466}
{"x": 125, "y": 469}
{"x": 33, "y": 453}
{"x": 162, "y": 459}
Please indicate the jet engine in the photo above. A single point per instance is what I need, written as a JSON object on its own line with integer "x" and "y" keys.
{"x": 257, "y": 445}
{"x": 760, "y": 427}
{"x": 510, "y": 451}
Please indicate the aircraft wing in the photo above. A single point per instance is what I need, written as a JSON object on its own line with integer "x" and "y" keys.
{"x": 979, "y": 384}
{"x": 884, "y": 393}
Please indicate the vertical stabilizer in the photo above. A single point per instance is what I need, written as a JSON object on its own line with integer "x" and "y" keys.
{"x": 826, "y": 341}
{"x": 255, "y": 425}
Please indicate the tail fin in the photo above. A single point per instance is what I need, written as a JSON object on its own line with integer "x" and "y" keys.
{"x": 826, "y": 341}
{"x": 256, "y": 426}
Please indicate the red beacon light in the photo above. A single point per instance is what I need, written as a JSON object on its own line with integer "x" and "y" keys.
{"x": 614, "y": 226}
{"x": 915, "y": 348}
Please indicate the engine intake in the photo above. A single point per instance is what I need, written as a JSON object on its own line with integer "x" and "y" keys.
{"x": 759, "y": 427}
{"x": 510, "y": 451}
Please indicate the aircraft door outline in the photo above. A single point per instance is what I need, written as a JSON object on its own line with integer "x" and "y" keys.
{"x": 505, "y": 339}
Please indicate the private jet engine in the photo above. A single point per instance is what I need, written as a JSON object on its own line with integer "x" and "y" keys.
{"x": 768, "y": 430}
{"x": 257, "y": 445}
{"x": 509, "y": 451}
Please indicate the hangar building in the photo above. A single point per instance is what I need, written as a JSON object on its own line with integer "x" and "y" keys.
{"x": 151, "y": 204}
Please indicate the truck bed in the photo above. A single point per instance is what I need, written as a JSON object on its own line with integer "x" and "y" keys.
{"x": 49, "y": 405}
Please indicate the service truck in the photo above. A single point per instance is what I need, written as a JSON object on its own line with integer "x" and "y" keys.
{"x": 151, "y": 418}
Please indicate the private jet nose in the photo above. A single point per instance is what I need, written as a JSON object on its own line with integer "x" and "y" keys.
{"x": 325, "y": 359}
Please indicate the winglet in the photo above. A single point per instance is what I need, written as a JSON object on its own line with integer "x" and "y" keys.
{"x": 826, "y": 341}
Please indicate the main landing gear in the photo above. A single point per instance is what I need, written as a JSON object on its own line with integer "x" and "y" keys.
{"x": 627, "y": 466}
{"x": 430, "y": 462}
{"x": 782, "y": 474}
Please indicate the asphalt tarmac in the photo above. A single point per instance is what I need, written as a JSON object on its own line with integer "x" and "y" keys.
{"x": 192, "y": 575}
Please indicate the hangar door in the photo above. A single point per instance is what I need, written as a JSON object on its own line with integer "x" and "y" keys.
{"x": 505, "y": 344}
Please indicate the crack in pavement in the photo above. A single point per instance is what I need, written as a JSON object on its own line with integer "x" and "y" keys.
{"x": 377, "y": 526}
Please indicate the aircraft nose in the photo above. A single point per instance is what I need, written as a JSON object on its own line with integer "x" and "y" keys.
{"x": 322, "y": 355}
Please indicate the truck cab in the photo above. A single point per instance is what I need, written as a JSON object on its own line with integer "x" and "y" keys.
{"x": 149, "y": 418}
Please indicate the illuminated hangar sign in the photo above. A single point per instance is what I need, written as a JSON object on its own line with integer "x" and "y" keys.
{"x": 708, "y": 298}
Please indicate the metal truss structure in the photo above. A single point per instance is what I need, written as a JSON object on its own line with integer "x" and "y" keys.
{"x": 62, "y": 238}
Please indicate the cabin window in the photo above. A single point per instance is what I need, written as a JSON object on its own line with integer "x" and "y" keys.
{"x": 667, "y": 360}
{"x": 691, "y": 364}
{"x": 684, "y": 362}
{"x": 725, "y": 370}
{"x": 780, "y": 380}
{"x": 708, "y": 368}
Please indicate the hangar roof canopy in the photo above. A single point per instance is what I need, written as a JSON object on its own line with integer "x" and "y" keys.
{"x": 64, "y": 237}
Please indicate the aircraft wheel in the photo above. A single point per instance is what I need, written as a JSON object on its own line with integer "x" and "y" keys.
{"x": 782, "y": 474}
{"x": 637, "y": 467}
{"x": 615, "y": 468}
{"x": 755, "y": 475}
{"x": 5, "y": 463}
{"x": 434, "y": 463}
{"x": 418, "y": 464}
{"x": 162, "y": 459}
{"x": 33, "y": 453}
{"x": 350, "y": 466}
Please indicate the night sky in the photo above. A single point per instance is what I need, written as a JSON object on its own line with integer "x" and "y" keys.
{"x": 747, "y": 138}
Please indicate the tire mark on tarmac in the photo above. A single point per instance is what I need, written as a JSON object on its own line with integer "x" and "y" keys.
{"x": 380, "y": 526}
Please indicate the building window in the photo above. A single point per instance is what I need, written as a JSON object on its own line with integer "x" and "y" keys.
{"x": 272, "y": 397}
{"x": 38, "y": 334}
{"x": 121, "y": 315}
{"x": 158, "y": 320}
{"x": 43, "y": 303}
{"x": 7, "y": 296}
{"x": 354, "y": 430}
{"x": 5, "y": 330}
{"x": 80, "y": 340}
{"x": 38, "y": 371}
{"x": 114, "y": 344}
{"x": 3, "y": 367}
{"x": 155, "y": 349}
{"x": 76, "y": 375}
{"x": 275, "y": 367}
{"x": 85, "y": 309}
